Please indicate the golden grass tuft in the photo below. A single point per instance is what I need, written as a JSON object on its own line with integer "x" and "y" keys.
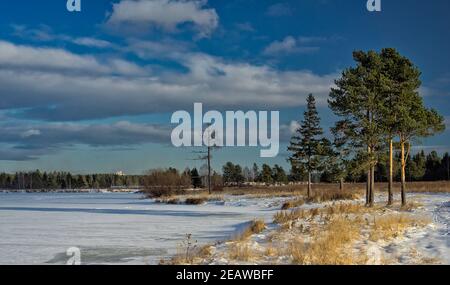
{"x": 409, "y": 207}
{"x": 320, "y": 196}
{"x": 255, "y": 227}
{"x": 240, "y": 252}
{"x": 394, "y": 225}
{"x": 288, "y": 216}
{"x": 293, "y": 204}
{"x": 328, "y": 246}
{"x": 345, "y": 208}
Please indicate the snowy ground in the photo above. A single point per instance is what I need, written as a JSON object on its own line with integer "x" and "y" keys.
{"x": 113, "y": 228}
{"x": 418, "y": 245}
{"x": 432, "y": 241}
{"x": 116, "y": 228}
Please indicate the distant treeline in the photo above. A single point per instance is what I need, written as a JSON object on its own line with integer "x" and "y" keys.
{"x": 420, "y": 167}
{"x": 66, "y": 180}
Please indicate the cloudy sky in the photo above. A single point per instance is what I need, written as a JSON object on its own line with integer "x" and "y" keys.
{"x": 94, "y": 91}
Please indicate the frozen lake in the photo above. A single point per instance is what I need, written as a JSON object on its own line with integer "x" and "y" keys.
{"x": 112, "y": 228}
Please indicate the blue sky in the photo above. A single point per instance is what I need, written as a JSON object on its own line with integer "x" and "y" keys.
{"x": 94, "y": 91}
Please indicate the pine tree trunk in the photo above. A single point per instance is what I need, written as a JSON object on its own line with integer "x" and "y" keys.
{"x": 403, "y": 162}
{"x": 372, "y": 186}
{"x": 341, "y": 184}
{"x": 390, "y": 175}
{"x": 309, "y": 184}
{"x": 369, "y": 175}
{"x": 368, "y": 187}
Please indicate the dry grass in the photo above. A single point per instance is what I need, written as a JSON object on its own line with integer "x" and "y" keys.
{"x": 240, "y": 252}
{"x": 332, "y": 231}
{"x": 192, "y": 199}
{"x": 321, "y": 191}
{"x": 394, "y": 225}
{"x": 329, "y": 246}
{"x": 409, "y": 207}
{"x": 320, "y": 196}
{"x": 271, "y": 251}
{"x": 293, "y": 204}
{"x": 255, "y": 227}
{"x": 326, "y": 212}
{"x": 195, "y": 201}
{"x": 345, "y": 208}
{"x": 288, "y": 216}
{"x": 358, "y": 188}
{"x": 196, "y": 254}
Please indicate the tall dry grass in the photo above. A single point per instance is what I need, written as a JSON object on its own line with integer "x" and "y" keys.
{"x": 255, "y": 227}
{"x": 394, "y": 225}
{"x": 329, "y": 246}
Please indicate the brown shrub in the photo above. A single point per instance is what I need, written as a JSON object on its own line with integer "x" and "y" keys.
{"x": 165, "y": 183}
{"x": 195, "y": 201}
{"x": 292, "y": 204}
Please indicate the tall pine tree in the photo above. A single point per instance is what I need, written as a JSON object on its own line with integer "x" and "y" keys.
{"x": 307, "y": 145}
{"x": 358, "y": 100}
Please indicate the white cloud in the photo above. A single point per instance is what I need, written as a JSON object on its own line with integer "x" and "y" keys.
{"x": 165, "y": 14}
{"x": 42, "y": 135}
{"x": 279, "y": 10}
{"x": 42, "y": 82}
{"x": 45, "y": 34}
{"x": 30, "y": 133}
{"x": 294, "y": 126}
{"x": 52, "y": 59}
{"x": 91, "y": 42}
{"x": 288, "y": 45}
{"x": 245, "y": 27}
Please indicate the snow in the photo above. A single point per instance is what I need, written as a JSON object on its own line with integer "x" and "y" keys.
{"x": 113, "y": 228}
{"x": 122, "y": 228}
{"x": 429, "y": 244}
{"x": 432, "y": 241}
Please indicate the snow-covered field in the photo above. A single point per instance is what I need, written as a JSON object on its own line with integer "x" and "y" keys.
{"x": 418, "y": 244}
{"x": 118, "y": 228}
{"x": 112, "y": 228}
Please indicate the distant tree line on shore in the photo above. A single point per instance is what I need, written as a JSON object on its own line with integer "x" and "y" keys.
{"x": 419, "y": 167}
{"x": 65, "y": 180}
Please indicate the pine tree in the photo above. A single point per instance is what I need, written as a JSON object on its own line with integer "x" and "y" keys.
{"x": 307, "y": 145}
{"x": 415, "y": 121}
{"x": 195, "y": 178}
{"x": 266, "y": 174}
{"x": 358, "y": 99}
{"x": 255, "y": 172}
